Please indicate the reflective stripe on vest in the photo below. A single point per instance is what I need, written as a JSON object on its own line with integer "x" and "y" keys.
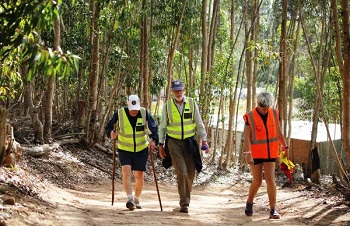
{"x": 129, "y": 138}
{"x": 181, "y": 126}
{"x": 264, "y": 139}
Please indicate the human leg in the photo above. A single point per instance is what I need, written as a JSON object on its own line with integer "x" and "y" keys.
{"x": 269, "y": 168}
{"x": 191, "y": 170}
{"x": 177, "y": 149}
{"x": 139, "y": 180}
{"x": 126, "y": 177}
{"x": 256, "y": 171}
{"x": 139, "y": 161}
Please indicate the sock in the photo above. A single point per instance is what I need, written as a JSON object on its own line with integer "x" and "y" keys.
{"x": 137, "y": 198}
{"x": 130, "y": 196}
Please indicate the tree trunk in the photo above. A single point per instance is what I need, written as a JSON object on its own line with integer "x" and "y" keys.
{"x": 345, "y": 76}
{"x": 3, "y": 116}
{"x": 204, "y": 56}
{"x": 93, "y": 77}
{"x": 248, "y": 55}
{"x": 291, "y": 77}
{"x": 27, "y": 95}
{"x": 50, "y": 89}
{"x": 282, "y": 69}
{"x": 172, "y": 50}
{"x": 144, "y": 85}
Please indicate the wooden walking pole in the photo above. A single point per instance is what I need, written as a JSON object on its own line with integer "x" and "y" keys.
{"x": 113, "y": 164}
{"x": 155, "y": 180}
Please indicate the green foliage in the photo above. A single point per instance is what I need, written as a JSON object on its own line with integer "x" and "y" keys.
{"x": 23, "y": 41}
{"x": 305, "y": 91}
{"x": 10, "y": 79}
{"x": 20, "y": 18}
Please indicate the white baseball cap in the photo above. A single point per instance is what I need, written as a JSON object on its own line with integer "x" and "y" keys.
{"x": 134, "y": 102}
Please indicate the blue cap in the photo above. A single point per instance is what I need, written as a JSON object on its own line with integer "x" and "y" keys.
{"x": 177, "y": 85}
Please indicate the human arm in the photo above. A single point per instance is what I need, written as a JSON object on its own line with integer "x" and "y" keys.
{"x": 110, "y": 132}
{"x": 152, "y": 127}
{"x": 247, "y": 141}
{"x": 200, "y": 127}
{"x": 162, "y": 131}
{"x": 247, "y": 144}
{"x": 282, "y": 139}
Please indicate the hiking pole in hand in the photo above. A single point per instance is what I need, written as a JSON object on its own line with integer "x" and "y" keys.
{"x": 155, "y": 180}
{"x": 113, "y": 164}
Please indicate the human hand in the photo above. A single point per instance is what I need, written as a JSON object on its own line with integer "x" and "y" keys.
{"x": 161, "y": 150}
{"x": 113, "y": 135}
{"x": 205, "y": 147}
{"x": 152, "y": 145}
{"x": 249, "y": 158}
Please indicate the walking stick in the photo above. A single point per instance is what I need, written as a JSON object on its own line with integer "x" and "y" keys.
{"x": 155, "y": 180}
{"x": 113, "y": 164}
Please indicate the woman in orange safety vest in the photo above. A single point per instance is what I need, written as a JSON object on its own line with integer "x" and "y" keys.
{"x": 262, "y": 135}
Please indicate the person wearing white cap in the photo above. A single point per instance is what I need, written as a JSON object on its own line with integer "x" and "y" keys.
{"x": 133, "y": 125}
{"x": 179, "y": 125}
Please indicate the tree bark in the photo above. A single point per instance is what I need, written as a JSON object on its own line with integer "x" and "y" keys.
{"x": 144, "y": 81}
{"x": 204, "y": 50}
{"x": 345, "y": 76}
{"x": 342, "y": 38}
{"x": 50, "y": 89}
{"x": 282, "y": 69}
{"x": 3, "y": 116}
{"x": 93, "y": 77}
{"x": 172, "y": 50}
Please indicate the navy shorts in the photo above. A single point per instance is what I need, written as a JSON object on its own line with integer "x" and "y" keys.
{"x": 137, "y": 160}
{"x": 259, "y": 161}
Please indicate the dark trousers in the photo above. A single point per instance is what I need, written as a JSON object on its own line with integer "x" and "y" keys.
{"x": 183, "y": 162}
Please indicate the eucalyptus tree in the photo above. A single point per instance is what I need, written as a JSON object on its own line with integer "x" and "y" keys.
{"x": 282, "y": 75}
{"x": 92, "y": 117}
{"x": 342, "y": 36}
{"x": 319, "y": 69}
{"x": 317, "y": 82}
{"x": 23, "y": 51}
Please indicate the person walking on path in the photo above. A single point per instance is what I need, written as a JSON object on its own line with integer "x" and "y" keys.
{"x": 180, "y": 123}
{"x": 134, "y": 126}
{"x": 262, "y": 135}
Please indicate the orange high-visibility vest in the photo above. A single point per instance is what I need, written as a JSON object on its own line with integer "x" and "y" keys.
{"x": 264, "y": 139}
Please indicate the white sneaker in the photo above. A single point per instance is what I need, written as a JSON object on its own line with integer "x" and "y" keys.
{"x": 137, "y": 204}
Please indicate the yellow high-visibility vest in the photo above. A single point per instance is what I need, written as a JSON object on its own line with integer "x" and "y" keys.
{"x": 181, "y": 126}
{"x": 130, "y": 139}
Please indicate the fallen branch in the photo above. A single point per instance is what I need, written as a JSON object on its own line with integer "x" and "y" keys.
{"x": 68, "y": 141}
{"x": 39, "y": 151}
{"x": 69, "y": 135}
{"x": 45, "y": 149}
{"x": 104, "y": 149}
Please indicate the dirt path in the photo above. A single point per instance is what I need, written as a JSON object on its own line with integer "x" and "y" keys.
{"x": 90, "y": 204}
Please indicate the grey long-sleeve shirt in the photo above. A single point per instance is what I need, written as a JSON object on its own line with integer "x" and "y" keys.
{"x": 197, "y": 118}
